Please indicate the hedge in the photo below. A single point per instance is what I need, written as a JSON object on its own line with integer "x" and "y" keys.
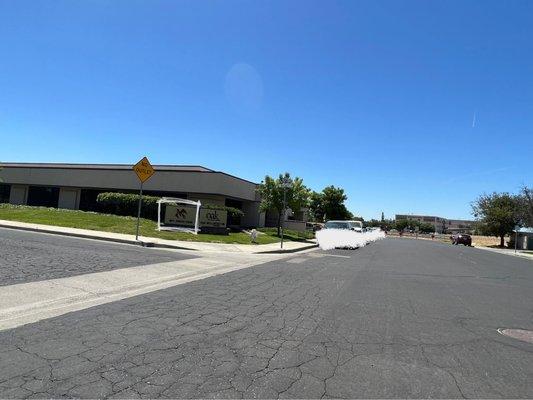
{"x": 126, "y": 204}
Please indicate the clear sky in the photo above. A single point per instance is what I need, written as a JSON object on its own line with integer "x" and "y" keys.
{"x": 410, "y": 106}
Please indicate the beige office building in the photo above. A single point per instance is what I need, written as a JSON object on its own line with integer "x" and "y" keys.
{"x": 441, "y": 225}
{"x": 76, "y": 186}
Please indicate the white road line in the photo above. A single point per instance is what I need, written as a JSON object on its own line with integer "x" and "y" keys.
{"x": 320, "y": 255}
{"x": 296, "y": 260}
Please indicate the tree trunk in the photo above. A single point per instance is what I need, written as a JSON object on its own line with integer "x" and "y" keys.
{"x": 502, "y": 242}
{"x": 279, "y": 224}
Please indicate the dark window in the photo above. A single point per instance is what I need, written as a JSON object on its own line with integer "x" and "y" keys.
{"x": 43, "y": 196}
{"x": 5, "y": 190}
{"x": 88, "y": 199}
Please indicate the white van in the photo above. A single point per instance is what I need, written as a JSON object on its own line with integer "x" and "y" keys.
{"x": 356, "y": 226}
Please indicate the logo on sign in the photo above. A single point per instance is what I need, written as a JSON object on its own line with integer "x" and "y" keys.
{"x": 186, "y": 216}
{"x": 212, "y": 216}
{"x": 181, "y": 213}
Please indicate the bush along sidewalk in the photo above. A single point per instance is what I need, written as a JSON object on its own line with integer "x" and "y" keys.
{"x": 126, "y": 204}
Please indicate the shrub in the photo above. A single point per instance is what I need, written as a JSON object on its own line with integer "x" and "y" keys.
{"x": 126, "y": 204}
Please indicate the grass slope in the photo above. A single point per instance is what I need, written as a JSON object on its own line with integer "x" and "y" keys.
{"x": 120, "y": 224}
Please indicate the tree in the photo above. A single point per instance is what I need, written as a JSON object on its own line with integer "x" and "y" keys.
{"x": 426, "y": 227}
{"x": 382, "y": 216}
{"x": 316, "y": 207}
{"x": 329, "y": 204}
{"x": 498, "y": 213}
{"x": 402, "y": 224}
{"x": 526, "y": 214}
{"x": 387, "y": 224}
{"x": 333, "y": 199}
{"x": 373, "y": 223}
{"x": 271, "y": 191}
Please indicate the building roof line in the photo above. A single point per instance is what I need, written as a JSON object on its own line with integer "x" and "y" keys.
{"x": 157, "y": 167}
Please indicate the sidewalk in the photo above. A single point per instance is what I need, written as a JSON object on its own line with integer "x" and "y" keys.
{"x": 509, "y": 252}
{"x": 29, "y": 302}
{"x": 288, "y": 247}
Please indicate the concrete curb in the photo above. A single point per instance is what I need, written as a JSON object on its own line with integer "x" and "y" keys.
{"x": 94, "y": 237}
{"x": 507, "y": 252}
{"x": 280, "y": 251}
{"x": 140, "y": 243}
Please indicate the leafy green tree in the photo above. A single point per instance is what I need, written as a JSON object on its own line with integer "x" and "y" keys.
{"x": 329, "y": 205}
{"x": 526, "y": 214}
{"x": 426, "y": 227}
{"x": 387, "y": 224}
{"x": 333, "y": 199}
{"x": 499, "y": 213}
{"x": 316, "y": 207}
{"x": 271, "y": 191}
{"x": 402, "y": 224}
{"x": 373, "y": 223}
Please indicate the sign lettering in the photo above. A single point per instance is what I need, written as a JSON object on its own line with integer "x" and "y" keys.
{"x": 144, "y": 170}
{"x": 185, "y": 216}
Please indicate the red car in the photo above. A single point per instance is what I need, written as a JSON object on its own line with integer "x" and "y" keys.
{"x": 461, "y": 238}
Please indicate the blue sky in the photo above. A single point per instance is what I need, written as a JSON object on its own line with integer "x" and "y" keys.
{"x": 410, "y": 106}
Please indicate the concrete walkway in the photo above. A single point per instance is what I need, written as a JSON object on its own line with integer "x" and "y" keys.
{"x": 25, "y": 303}
{"x": 288, "y": 247}
{"x": 509, "y": 252}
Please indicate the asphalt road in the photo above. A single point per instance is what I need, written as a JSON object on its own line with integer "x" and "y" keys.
{"x": 399, "y": 318}
{"x": 28, "y": 256}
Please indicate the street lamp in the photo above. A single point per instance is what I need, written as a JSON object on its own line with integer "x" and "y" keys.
{"x": 286, "y": 183}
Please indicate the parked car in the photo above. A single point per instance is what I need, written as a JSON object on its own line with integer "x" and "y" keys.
{"x": 356, "y": 226}
{"x": 461, "y": 238}
{"x": 313, "y": 226}
{"x": 337, "y": 225}
{"x": 344, "y": 242}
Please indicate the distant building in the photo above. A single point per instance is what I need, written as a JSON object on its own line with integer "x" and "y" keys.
{"x": 440, "y": 224}
{"x": 524, "y": 239}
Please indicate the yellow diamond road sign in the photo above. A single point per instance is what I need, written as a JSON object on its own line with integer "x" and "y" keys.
{"x": 143, "y": 169}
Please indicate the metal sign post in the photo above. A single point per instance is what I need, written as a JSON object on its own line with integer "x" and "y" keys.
{"x": 284, "y": 213}
{"x": 516, "y": 228}
{"x": 286, "y": 183}
{"x": 139, "y": 211}
{"x": 144, "y": 171}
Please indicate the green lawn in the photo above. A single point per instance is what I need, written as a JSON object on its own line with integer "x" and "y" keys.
{"x": 119, "y": 224}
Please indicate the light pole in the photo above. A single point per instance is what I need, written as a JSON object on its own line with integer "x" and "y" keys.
{"x": 516, "y": 228}
{"x": 286, "y": 183}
